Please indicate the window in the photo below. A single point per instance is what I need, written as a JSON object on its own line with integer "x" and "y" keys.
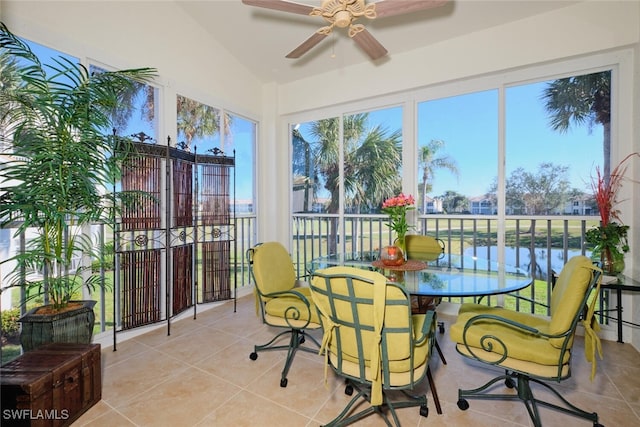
{"x": 199, "y": 130}
{"x": 458, "y": 153}
{"x": 491, "y": 145}
{"x": 10, "y": 78}
{"x": 199, "y": 125}
{"x": 242, "y": 139}
{"x": 554, "y": 141}
{"x": 347, "y": 165}
{"x": 138, "y": 116}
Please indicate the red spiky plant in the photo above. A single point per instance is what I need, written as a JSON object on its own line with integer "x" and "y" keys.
{"x": 609, "y": 239}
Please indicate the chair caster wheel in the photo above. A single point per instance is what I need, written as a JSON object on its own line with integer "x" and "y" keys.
{"x": 302, "y": 340}
{"x": 597, "y": 425}
{"x": 283, "y": 382}
{"x": 509, "y": 383}
{"x": 348, "y": 390}
{"x": 441, "y": 329}
{"x": 424, "y": 411}
{"x": 463, "y": 404}
{"x": 253, "y": 356}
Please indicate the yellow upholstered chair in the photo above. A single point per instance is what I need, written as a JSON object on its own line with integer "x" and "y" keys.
{"x": 533, "y": 348}
{"x": 426, "y": 248}
{"x": 423, "y": 248}
{"x": 373, "y": 341}
{"x": 281, "y": 302}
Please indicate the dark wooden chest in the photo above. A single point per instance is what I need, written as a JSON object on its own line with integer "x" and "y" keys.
{"x": 51, "y": 386}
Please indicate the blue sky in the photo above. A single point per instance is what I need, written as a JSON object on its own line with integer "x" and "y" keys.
{"x": 468, "y": 124}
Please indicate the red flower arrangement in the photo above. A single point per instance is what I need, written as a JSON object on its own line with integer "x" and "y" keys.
{"x": 397, "y": 208}
{"x": 606, "y": 190}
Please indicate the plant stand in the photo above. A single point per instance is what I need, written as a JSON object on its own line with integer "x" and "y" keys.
{"x": 73, "y": 326}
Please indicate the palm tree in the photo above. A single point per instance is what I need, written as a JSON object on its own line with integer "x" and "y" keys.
{"x": 372, "y": 161}
{"x": 429, "y": 162}
{"x": 196, "y": 119}
{"x": 128, "y": 105}
{"x": 62, "y": 157}
{"x": 9, "y": 81}
{"x": 582, "y": 99}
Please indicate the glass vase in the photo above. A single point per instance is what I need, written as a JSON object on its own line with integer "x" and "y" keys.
{"x": 392, "y": 256}
{"x": 612, "y": 262}
{"x": 401, "y": 243}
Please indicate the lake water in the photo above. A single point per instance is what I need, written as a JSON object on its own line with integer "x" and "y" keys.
{"x": 542, "y": 257}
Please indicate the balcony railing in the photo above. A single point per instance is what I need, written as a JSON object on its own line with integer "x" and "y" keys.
{"x": 540, "y": 245}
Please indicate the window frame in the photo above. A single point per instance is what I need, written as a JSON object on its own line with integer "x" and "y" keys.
{"x": 620, "y": 62}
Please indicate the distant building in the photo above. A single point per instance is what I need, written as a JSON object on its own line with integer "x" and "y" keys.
{"x": 433, "y": 205}
{"x": 579, "y": 205}
{"x": 482, "y": 205}
{"x": 242, "y": 206}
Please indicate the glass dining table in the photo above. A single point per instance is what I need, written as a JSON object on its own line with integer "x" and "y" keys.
{"x": 447, "y": 276}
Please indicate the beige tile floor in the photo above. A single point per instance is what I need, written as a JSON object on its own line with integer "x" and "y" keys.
{"x": 201, "y": 375}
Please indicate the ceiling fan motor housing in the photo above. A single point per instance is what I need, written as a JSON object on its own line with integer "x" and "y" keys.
{"x": 342, "y": 19}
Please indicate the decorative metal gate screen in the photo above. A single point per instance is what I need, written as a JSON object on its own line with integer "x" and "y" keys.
{"x": 216, "y": 234}
{"x": 177, "y": 235}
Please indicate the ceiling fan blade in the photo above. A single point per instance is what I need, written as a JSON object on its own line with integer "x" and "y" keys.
{"x": 283, "y": 5}
{"x": 399, "y": 7}
{"x": 369, "y": 44}
{"x": 306, "y": 45}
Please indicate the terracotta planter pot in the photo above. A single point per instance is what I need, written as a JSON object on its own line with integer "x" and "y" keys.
{"x": 71, "y": 326}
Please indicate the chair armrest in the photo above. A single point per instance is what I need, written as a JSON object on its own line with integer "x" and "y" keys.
{"x": 520, "y": 297}
{"x": 289, "y": 293}
{"x": 516, "y": 325}
{"x": 500, "y": 319}
{"x": 494, "y": 342}
{"x": 428, "y": 327}
{"x": 294, "y": 311}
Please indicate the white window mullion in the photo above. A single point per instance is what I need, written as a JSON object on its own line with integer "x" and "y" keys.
{"x": 501, "y": 196}
{"x": 341, "y": 220}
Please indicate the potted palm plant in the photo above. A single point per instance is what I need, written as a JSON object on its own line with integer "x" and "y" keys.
{"x": 609, "y": 239}
{"x": 57, "y": 118}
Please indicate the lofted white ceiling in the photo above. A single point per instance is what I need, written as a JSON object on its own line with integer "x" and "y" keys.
{"x": 260, "y": 38}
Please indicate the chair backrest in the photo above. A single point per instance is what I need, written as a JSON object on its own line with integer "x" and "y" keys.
{"x": 271, "y": 267}
{"x": 569, "y": 297}
{"x": 367, "y": 323}
{"x": 423, "y": 248}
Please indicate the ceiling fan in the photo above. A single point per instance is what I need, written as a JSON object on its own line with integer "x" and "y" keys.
{"x": 343, "y": 14}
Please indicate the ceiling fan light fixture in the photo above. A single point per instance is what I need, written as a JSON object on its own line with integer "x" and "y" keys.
{"x": 342, "y": 19}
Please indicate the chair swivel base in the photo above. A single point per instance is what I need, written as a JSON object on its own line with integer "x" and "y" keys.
{"x": 525, "y": 394}
{"x": 388, "y": 406}
{"x": 297, "y": 338}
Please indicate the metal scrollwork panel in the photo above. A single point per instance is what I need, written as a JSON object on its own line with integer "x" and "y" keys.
{"x": 216, "y": 233}
{"x": 181, "y": 236}
{"x": 138, "y": 240}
